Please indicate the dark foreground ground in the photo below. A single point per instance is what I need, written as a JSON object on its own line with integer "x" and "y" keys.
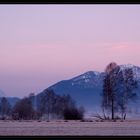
{"x": 76, "y": 128}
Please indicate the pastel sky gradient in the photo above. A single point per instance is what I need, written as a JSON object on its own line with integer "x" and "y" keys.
{"x": 43, "y": 44}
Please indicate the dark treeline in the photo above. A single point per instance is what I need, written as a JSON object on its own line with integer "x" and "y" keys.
{"x": 46, "y": 106}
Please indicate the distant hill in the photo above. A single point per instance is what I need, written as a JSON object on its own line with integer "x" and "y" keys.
{"x": 11, "y": 100}
{"x": 2, "y": 94}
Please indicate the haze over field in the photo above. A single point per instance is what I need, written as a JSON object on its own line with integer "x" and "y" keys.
{"x": 43, "y": 44}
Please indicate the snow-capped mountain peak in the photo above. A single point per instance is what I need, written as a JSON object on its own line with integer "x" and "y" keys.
{"x": 88, "y": 79}
{"x": 135, "y": 69}
{"x": 124, "y": 66}
{"x": 87, "y": 75}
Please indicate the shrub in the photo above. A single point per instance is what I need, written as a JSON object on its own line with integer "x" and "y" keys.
{"x": 73, "y": 114}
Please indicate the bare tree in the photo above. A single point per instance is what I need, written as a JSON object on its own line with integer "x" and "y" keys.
{"x": 119, "y": 88}
{"x": 51, "y": 100}
{"x": 54, "y": 105}
{"x": 108, "y": 101}
{"x": 32, "y": 99}
{"x": 23, "y": 110}
{"x": 129, "y": 90}
{"x": 47, "y": 103}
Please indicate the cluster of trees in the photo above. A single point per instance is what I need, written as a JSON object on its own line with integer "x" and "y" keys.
{"x": 47, "y": 105}
{"x": 118, "y": 90}
{"x": 63, "y": 107}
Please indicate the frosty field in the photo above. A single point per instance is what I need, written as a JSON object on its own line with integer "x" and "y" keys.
{"x": 76, "y": 128}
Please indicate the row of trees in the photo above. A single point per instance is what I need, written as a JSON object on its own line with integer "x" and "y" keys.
{"x": 58, "y": 106}
{"x": 47, "y": 105}
{"x": 118, "y": 90}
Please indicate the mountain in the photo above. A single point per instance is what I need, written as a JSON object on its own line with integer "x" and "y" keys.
{"x": 12, "y": 100}
{"x": 86, "y": 90}
{"x": 2, "y": 94}
{"x": 135, "y": 69}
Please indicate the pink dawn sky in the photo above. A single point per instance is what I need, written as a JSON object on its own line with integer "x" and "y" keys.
{"x": 43, "y": 44}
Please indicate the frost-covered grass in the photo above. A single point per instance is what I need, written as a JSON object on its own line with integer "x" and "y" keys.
{"x": 44, "y": 128}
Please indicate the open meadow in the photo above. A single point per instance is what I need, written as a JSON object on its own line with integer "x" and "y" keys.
{"x": 69, "y": 128}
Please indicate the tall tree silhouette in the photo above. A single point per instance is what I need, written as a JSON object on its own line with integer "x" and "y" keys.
{"x": 23, "y": 109}
{"x": 119, "y": 89}
{"x": 108, "y": 101}
{"x": 129, "y": 86}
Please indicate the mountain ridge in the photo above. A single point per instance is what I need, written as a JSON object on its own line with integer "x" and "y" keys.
{"x": 86, "y": 89}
